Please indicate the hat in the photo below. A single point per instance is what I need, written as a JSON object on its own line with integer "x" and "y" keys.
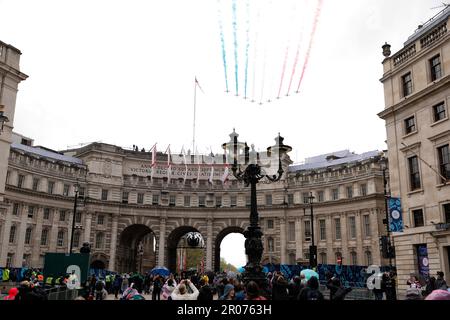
{"x": 226, "y": 291}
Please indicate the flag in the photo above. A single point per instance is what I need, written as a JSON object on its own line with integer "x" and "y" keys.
{"x": 198, "y": 84}
{"x": 185, "y": 164}
{"x": 395, "y": 215}
{"x": 211, "y": 176}
{"x": 225, "y": 175}
{"x": 169, "y": 164}
{"x": 153, "y": 166}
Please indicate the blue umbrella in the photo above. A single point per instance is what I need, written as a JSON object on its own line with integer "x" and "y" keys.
{"x": 309, "y": 273}
{"x": 241, "y": 269}
{"x": 265, "y": 269}
{"x": 162, "y": 271}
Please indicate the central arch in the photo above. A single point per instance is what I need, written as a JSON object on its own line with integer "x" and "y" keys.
{"x": 136, "y": 251}
{"x": 172, "y": 244}
{"x": 222, "y": 234}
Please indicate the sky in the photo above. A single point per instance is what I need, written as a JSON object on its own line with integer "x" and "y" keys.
{"x": 122, "y": 72}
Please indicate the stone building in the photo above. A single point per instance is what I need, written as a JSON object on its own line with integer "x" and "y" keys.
{"x": 416, "y": 83}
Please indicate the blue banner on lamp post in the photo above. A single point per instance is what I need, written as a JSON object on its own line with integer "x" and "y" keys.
{"x": 395, "y": 215}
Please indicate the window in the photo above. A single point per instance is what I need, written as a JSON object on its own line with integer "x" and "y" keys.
{"x": 9, "y": 259}
{"x": 28, "y": 235}
{"x": 305, "y": 196}
{"x": 140, "y": 198}
{"x": 349, "y": 192}
{"x": 418, "y": 218}
{"x": 8, "y": 175}
{"x": 368, "y": 258}
{"x": 81, "y": 191}
{"x": 363, "y": 190}
{"x": 99, "y": 241}
{"x": 155, "y": 199}
{"x": 439, "y": 112}
{"x": 407, "y": 84}
{"x": 62, "y": 215}
{"x": 44, "y": 237}
{"x": 20, "y": 180}
{"x": 172, "y": 200}
{"x": 46, "y": 213}
{"x": 290, "y": 199}
{"x": 337, "y": 228}
{"x": 270, "y": 245}
{"x": 76, "y": 239}
{"x": 444, "y": 161}
{"x": 50, "y": 187}
{"x": 291, "y": 231}
{"x": 35, "y": 184}
{"x": 268, "y": 199}
{"x": 410, "y": 125}
{"x": 335, "y": 194}
{"x": 414, "y": 175}
{"x": 201, "y": 201}
{"x": 306, "y": 255}
{"x": 234, "y": 201}
{"x": 323, "y": 258}
{"x": 104, "y": 194}
{"x": 435, "y": 67}
{"x": 270, "y": 224}
{"x": 322, "y": 230}
{"x": 12, "y": 234}
{"x": 307, "y": 229}
{"x": 218, "y": 201}
{"x": 100, "y": 219}
{"x": 352, "y": 223}
{"x": 78, "y": 217}
{"x": 187, "y": 201}
{"x": 15, "y": 209}
{"x": 353, "y": 258}
{"x": 366, "y": 221}
{"x": 292, "y": 259}
{"x": 247, "y": 201}
{"x": 66, "y": 190}
{"x": 446, "y": 208}
{"x": 60, "y": 238}
{"x": 30, "y": 212}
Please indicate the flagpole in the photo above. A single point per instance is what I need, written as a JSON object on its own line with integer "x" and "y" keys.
{"x": 195, "y": 103}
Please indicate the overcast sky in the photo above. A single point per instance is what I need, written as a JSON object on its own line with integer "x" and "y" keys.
{"x": 122, "y": 72}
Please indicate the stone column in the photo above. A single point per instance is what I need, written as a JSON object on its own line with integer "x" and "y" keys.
{"x": 37, "y": 237}
{"x": 18, "y": 257}
{"x": 298, "y": 239}
{"x": 344, "y": 237}
{"x": 113, "y": 244}
{"x": 87, "y": 229}
{"x": 5, "y": 240}
{"x": 209, "y": 244}
{"x": 162, "y": 242}
{"x": 360, "y": 236}
{"x": 53, "y": 231}
{"x": 283, "y": 240}
{"x": 330, "y": 237}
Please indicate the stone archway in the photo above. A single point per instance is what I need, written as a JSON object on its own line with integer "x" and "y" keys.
{"x": 222, "y": 234}
{"x": 98, "y": 264}
{"x": 133, "y": 239}
{"x": 172, "y": 244}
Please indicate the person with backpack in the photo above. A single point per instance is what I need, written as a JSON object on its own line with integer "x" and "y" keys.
{"x": 311, "y": 291}
{"x": 157, "y": 286}
{"x": 100, "y": 291}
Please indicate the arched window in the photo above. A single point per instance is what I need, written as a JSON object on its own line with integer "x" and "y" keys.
{"x": 369, "y": 258}
{"x": 323, "y": 258}
{"x": 60, "y": 238}
{"x": 353, "y": 258}
{"x": 28, "y": 235}
{"x": 270, "y": 245}
{"x": 99, "y": 240}
{"x": 12, "y": 234}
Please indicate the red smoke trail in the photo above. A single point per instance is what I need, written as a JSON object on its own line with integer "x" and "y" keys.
{"x": 282, "y": 72}
{"x": 294, "y": 67}
{"x": 308, "y": 52}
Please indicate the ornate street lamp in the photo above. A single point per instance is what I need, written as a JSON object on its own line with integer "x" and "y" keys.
{"x": 250, "y": 167}
{"x": 73, "y": 217}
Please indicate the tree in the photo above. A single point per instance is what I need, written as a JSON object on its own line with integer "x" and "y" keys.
{"x": 224, "y": 265}
{"x": 193, "y": 257}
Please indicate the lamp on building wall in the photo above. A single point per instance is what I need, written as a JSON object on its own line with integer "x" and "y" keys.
{"x": 3, "y": 118}
{"x": 76, "y": 187}
{"x": 250, "y": 167}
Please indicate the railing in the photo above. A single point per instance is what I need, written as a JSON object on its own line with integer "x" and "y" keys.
{"x": 404, "y": 55}
{"x": 434, "y": 35}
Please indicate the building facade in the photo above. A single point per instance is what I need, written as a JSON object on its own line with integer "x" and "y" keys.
{"x": 416, "y": 83}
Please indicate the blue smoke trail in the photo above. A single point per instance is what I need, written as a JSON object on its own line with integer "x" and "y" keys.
{"x": 222, "y": 40}
{"x": 246, "y": 47}
{"x": 235, "y": 47}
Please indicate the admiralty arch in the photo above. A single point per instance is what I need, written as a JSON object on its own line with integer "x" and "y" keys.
{"x": 122, "y": 203}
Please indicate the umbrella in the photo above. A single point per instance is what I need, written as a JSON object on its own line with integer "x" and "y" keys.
{"x": 438, "y": 295}
{"x": 309, "y": 273}
{"x": 265, "y": 269}
{"x": 231, "y": 274}
{"x": 241, "y": 270}
{"x": 162, "y": 271}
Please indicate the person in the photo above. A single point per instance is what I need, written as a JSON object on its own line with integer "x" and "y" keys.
{"x": 12, "y": 293}
{"x": 280, "y": 288}
{"x": 147, "y": 283}
{"x": 253, "y": 292}
{"x": 413, "y": 282}
{"x": 311, "y": 291}
{"x": 205, "y": 292}
{"x": 388, "y": 286}
{"x": 413, "y": 293}
{"x": 100, "y": 291}
{"x": 180, "y": 292}
{"x": 168, "y": 288}
{"x": 239, "y": 293}
{"x": 440, "y": 282}
{"x": 294, "y": 287}
{"x": 116, "y": 285}
{"x": 430, "y": 286}
{"x": 157, "y": 285}
{"x": 125, "y": 283}
{"x": 228, "y": 292}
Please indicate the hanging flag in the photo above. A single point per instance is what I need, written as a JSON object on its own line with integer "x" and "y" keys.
{"x": 225, "y": 175}
{"x": 169, "y": 164}
{"x": 395, "y": 215}
{"x": 185, "y": 164}
{"x": 153, "y": 165}
{"x": 211, "y": 176}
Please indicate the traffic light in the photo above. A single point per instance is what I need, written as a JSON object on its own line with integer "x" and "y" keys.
{"x": 313, "y": 256}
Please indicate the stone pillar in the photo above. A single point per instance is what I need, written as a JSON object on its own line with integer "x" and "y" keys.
{"x": 360, "y": 236}
{"x": 87, "y": 229}
{"x": 298, "y": 239}
{"x": 18, "y": 257}
{"x": 37, "y": 237}
{"x": 5, "y": 240}
{"x": 329, "y": 225}
{"x": 283, "y": 240}
{"x": 113, "y": 244}
{"x": 209, "y": 244}
{"x": 344, "y": 237}
{"x": 162, "y": 242}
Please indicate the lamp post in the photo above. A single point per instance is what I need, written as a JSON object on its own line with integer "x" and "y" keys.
{"x": 312, "y": 248}
{"x": 389, "y": 249}
{"x": 250, "y": 167}
{"x": 73, "y": 217}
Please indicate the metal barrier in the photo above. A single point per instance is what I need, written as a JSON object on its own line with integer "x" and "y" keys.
{"x": 63, "y": 294}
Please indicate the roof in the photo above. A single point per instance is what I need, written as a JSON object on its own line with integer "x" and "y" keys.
{"x": 333, "y": 159}
{"x": 46, "y": 153}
